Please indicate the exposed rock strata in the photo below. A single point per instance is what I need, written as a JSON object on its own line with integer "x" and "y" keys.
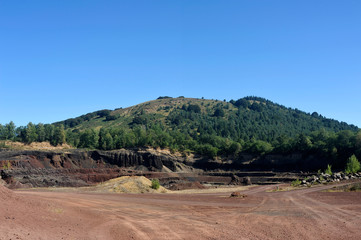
{"x": 81, "y": 168}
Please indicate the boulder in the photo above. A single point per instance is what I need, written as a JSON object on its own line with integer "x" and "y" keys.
{"x": 247, "y": 181}
{"x": 235, "y": 180}
{"x": 238, "y": 195}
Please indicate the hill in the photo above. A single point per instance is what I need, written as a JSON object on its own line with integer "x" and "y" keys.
{"x": 247, "y": 117}
{"x": 211, "y": 128}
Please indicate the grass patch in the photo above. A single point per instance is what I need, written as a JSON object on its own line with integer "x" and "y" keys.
{"x": 155, "y": 184}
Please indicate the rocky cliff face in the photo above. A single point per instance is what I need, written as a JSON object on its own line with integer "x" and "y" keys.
{"x": 77, "y": 159}
{"x": 81, "y": 168}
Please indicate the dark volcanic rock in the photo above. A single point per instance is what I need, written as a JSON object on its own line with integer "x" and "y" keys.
{"x": 76, "y": 167}
{"x": 235, "y": 180}
{"x": 247, "y": 181}
{"x": 127, "y": 158}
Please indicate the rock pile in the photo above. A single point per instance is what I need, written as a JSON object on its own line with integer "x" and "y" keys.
{"x": 238, "y": 195}
{"x": 327, "y": 178}
{"x": 238, "y": 181}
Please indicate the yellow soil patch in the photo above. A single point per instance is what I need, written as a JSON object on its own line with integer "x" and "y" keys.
{"x": 35, "y": 146}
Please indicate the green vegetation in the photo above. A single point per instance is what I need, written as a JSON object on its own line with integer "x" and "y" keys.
{"x": 296, "y": 183}
{"x": 328, "y": 170}
{"x": 352, "y": 165}
{"x": 209, "y": 127}
{"x": 155, "y": 184}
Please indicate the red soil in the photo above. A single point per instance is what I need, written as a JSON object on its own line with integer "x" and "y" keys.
{"x": 300, "y": 214}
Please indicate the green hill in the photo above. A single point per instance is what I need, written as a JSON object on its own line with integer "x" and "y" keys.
{"x": 247, "y": 118}
{"x": 210, "y": 128}
{"x": 214, "y": 128}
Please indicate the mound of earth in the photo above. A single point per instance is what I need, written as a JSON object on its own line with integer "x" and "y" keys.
{"x": 128, "y": 184}
{"x": 5, "y": 194}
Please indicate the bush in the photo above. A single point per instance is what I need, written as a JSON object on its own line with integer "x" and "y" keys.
{"x": 155, "y": 184}
{"x": 111, "y": 118}
{"x": 164, "y": 97}
{"x": 352, "y": 165}
{"x": 296, "y": 183}
{"x": 328, "y": 170}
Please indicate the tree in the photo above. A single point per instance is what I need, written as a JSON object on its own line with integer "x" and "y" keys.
{"x": 111, "y": 118}
{"x": 242, "y": 103}
{"x": 218, "y": 112}
{"x": 103, "y": 113}
{"x": 352, "y": 165}
{"x": 234, "y": 148}
{"x": 259, "y": 147}
{"x": 109, "y": 142}
{"x": 105, "y": 140}
{"x": 21, "y": 134}
{"x": 303, "y": 143}
{"x": 59, "y": 135}
{"x": 72, "y": 138}
{"x": 256, "y": 107}
{"x": 2, "y": 130}
{"x": 208, "y": 150}
{"x": 49, "y": 132}
{"x": 194, "y": 108}
{"x": 89, "y": 139}
{"x": 9, "y": 131}
{"x": 140, "y": 119}
{"x": 40, "y": 131}
{"x": 30, "y": 133}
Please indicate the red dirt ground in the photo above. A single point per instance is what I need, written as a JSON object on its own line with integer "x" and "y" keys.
{"x": 299, "y": 214}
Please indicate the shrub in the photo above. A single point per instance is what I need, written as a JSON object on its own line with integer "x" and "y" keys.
{"x": 296, "y": 183}
{"x": 328, "y": 169}
{"x": 155, "y": 184}
{"x": 352, "y": 165}
{"x": 111, "y": 117}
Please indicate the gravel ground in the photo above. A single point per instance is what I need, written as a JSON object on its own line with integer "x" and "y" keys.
{"x": 307, "y": 213}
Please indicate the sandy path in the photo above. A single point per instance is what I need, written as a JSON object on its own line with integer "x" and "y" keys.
{"x": 300, "y": 214}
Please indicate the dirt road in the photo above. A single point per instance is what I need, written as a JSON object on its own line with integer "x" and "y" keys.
{"x": 300, "y": 214}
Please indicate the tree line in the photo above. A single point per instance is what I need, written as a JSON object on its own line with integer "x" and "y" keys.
{"x": 337, "y": 147}
{"x": 33, "y": 133}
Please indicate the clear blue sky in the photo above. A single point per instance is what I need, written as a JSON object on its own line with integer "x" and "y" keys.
{"x": 61, "y": 59}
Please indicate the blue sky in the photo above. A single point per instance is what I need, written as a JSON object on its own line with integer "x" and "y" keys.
{"x": 62, "y": 59}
